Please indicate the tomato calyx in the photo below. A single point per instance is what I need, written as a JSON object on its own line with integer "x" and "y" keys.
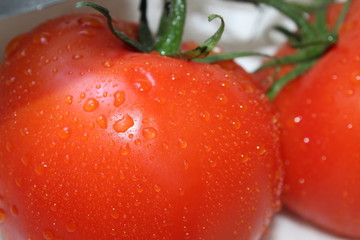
{"x": 311, "y": 40}
{"x": 168, "y": 39}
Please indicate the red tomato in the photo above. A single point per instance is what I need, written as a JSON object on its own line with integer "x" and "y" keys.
{"x": 101, "y": 142}
{"x": 320, "y": 118}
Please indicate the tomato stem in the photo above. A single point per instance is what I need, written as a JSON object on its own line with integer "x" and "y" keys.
{"x": 310, "y": 41}
{"x": 169, "y": 36}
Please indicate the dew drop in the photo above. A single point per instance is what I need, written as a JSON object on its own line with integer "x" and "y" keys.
{"x": 123, "y": 124}
{"x": 69, "y": 99}
{"x": 14, "y": 210}
{"x": 102, "y": 121}
{"x": 48, "y": 234}
{"x": 137, "y": 142}
{"x": 261, "y": 150}
{"x": 244, "y": 158}
{"x": 70, "y": 226}
{"x": 149, "y": 133}
{"x": 2, "y": 216}
{"x": 212, "y": 163}
{"x": 42, "y": 38}
{"x": 107, "y": 64}
{"x": 114, "y": 214}
{"x": 25, "y": 160}
{"x": 222, "y": 98}
{"x": 14, "y": 45}
{"x": 157, "y": 188}
{"x": 40, "y": 169}
{"x": 236, "y": 124}
{"x": 205, "y": 116}
{"x": 125, "y": 149}
{"x": 182, "y": 143}
{"x": 142, "y": 85}
{"x": 87, "y": 33}
{"x": 89, "y": 22}
{"x": 119, "y": 98}
{"x": 90, "y": 105}
{"x": 64, "y": 132}
{"x": 77, "y": 56}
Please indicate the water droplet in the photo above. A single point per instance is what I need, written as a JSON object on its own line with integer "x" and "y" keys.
{"x": 89, "y": 22}
{"x": 2, "y": 216}
{"x": 48, "y": 234}
{"x": 40, "y": 168}
{"x": 205, "y": 116}
{"x": 244, "y": 158}
{"x": 70, "y": 226}
{"x": 9, "y": 146}
{"x": 77, "y": 56}
{"x": 25, "y": 160}
{"x": 14, "y": 45}
{"x": 137, "y": 142}
{"x": 297, "y": 119}
{"x": 182, "y": 143}
{"x": 236, "y": 124}
{"x": 157, "y": 188}
{"x": 119, "y": 98}
{"x": 261, "y": 150}
{"x": 123, "y": 124}
{"x": 42, "y": 38}
{"x": 102, "y": 121}
{"x": 14, "y": 210}
{"x": 114, "y": 214}
{"x": 149, "y": 133}
{"x": 222, "y": 98}
{"x": 87, "y": 33}
{"x": 107, "y": 64}
{"x": 139, "y": 188}
{"x": 125, "y": 149}
{"x": 69, "y": 99}
{"x": 64, "y": 132}
{"x": 306, "y": 140}
{"x": 212, "y": 163}
{"x": 142, "y": 85}
{"x": 82, "y": 95}
{"x": 91, "y": 105}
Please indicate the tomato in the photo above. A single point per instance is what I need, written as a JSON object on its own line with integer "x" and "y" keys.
{"x": 99, "y": 141}
{"x": 320, "y": 120}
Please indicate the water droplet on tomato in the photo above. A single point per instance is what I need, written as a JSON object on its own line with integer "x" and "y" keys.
{"x": 69, "y": 99}
{"x": 9, "y": 146}
{"x": 222, "y": 98}
{"x": 125, "y": 149}
{"x": 157, "y": 188}
{"x": 142, "y": 85}
{"x": 64, "y": 132}
{"x": 244, "y": 158}
{"x": 70, "y": 226}
{"x": 14, "y": 45}
{"x": 82, "y": 95}
{"x": 90, "y": 105}
{"x": 107, "y": 64}
{"x": 25, "y": 160}
{"x": 40, "y": 168}
{"x": 77, "y": 56}
{"x": 149, "y": 133}
{"x": 119, "y": 98}
{"x": 205, "y": 116}
{"x": 114, "y": 214}
{"x": 2, "y": 216}
{"x": 48, "y": 234}
{"x": 212, "y": 163}
{"x": 42, "y": 38}
{"x": 87, "y": 33}
{"x": 123, "y": 124}
{"x": 235, "y": 123}
{"x": 139, "y": 188}
{"x": 89, "y": 22}
{"x": 102, "y": 121}
{"x": 18, "y": 181}
{"x": 182, "y": 143}
{"x": 14, "y": 210}
{"x": 137, "y": 142}
{"x": 261, "y": 150}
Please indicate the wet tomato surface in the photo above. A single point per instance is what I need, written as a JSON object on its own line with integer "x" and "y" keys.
{"x": 101, "y": 142}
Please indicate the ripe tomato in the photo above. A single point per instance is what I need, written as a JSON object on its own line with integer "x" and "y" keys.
{"x": 320, "y": 119}
{"x": 101, "y": 142}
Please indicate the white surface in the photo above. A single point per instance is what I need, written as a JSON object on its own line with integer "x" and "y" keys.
{"x": 244, "y": 23}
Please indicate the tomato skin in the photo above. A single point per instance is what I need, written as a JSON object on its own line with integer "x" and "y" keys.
{"x": 100, "y": 142}
{"x": 320, "y": 118}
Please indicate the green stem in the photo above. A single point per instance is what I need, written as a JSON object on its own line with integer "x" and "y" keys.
{"x": 171, "y": 27}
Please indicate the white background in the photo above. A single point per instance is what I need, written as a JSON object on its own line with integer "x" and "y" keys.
{"x": 247, "y": 29}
